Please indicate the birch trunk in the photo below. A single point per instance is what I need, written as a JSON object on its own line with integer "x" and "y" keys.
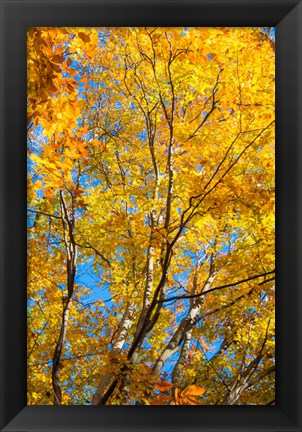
{"x": 106, "y": 379}
{"x": 71, "y": 255}
{"x": 185, "y": 325}
{"x": 176, "y": 375}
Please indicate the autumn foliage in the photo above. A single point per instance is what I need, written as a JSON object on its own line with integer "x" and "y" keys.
{"x": 150, "y": 216}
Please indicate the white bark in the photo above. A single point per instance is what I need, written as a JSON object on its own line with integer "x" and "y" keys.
{"x": 176, "y": 375}
{"x": 117, "y": 347}
{"x": 185, "y": 325}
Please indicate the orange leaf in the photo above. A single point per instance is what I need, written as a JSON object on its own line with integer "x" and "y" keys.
{"x": 85, "y": 38}
{"x": 189, "y": 401}
{"x": 72, "y": 108}
{"x": 55, "y": 67}
{"x": 78, "y": 192}
{"x": 163, "y": 386}
{"x": 185, "y": 400}
{"x": 161, "y": 399}
{"x": 57, "y": 59}
{"x": 95, "y": 142}
{"x": 51, "y": 86}
{"x": 70, "y": 88}
{"x": 193, "y": 390}
{"x": 82, "y": 205}
{"x": 48, "y": 194}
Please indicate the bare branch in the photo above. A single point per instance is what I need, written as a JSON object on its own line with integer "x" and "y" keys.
{"x": 215, "y": 288}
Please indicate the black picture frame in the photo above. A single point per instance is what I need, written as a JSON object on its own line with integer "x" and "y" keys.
{"x": 16, "y": 16}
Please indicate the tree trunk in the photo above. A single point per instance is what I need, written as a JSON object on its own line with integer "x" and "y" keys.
{"x": 116, "y": 349}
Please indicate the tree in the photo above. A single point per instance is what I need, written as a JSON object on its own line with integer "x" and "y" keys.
{"x": 150, "y": 216}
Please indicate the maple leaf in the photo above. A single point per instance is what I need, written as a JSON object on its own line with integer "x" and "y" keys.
{"x": 78, "y": 192}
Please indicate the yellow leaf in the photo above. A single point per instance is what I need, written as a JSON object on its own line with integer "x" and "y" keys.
{"x": 38, "y": 184}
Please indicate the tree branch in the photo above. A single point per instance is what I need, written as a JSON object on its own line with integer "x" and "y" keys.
{"x": 215, "y": 288}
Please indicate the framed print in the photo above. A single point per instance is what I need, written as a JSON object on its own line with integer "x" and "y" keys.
{"x": 140, "y": 166}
